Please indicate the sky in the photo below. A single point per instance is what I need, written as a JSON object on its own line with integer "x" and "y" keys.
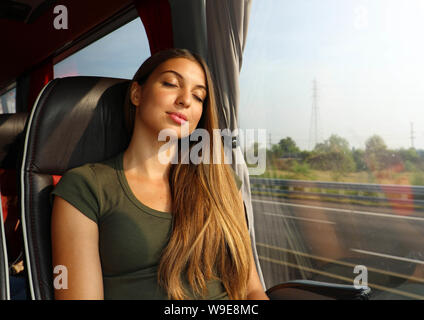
{"x": 365, "y": 55}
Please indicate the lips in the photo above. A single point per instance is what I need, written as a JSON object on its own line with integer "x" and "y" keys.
{"x": 177, "y": 117}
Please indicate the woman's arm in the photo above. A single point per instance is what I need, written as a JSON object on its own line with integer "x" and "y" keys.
{"x": 75, "y": 240}
{"x": 255, "y": 290}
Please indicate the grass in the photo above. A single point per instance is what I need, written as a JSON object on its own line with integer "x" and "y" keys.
{"x": 381, "y": 177}
{"x": 323, "y": 198}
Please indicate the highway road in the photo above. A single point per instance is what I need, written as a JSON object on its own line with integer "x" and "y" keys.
{"x": 325, "y": 241}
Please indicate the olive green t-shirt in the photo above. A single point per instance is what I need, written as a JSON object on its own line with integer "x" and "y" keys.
{"x": 131, "y": 235}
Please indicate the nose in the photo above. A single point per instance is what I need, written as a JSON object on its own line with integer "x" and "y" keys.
{"x": 184, "y": 98}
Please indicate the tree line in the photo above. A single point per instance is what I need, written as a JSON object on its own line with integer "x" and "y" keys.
{"x": 336, "y": 155}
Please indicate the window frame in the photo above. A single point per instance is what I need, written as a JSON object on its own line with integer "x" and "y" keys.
{"x": 6, "y": 90}
{"x": 111, "y": 24}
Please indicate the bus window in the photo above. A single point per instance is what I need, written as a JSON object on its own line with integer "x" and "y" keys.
{"x": 116, "y": 55}
{"x": 8, "y": 101}
{"x": 338, "y": 88}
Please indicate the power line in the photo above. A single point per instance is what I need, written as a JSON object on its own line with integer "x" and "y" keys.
{"x": 313, "y": 129}
{"x": 269, "y": 140}
{"x": 412, "y": 135}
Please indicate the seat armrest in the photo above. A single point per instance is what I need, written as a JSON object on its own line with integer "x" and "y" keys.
{"x": 314, "y": 290}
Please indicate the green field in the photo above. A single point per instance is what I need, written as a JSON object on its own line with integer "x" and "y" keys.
{"x": 380, "y": 177}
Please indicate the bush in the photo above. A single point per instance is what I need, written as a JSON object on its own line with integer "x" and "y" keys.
{"x": 409, "y": 166}
{"x": 418, "y": 179}
{"x": 301, "y": 168}
{"x": 339, "y": 162}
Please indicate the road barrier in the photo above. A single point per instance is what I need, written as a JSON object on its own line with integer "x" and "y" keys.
{"x": 413, "y": 195}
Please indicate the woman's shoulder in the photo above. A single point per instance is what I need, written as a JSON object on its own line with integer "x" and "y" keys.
{"x": 95, "y": 170}
{"x": 82, "y": 186}
{"x": 89, "y": 176}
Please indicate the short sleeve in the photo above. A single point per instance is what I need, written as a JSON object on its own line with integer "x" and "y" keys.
{"x": 78, "y": 187}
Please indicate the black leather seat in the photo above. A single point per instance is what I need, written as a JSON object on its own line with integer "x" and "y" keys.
{"x": 315, "y": 290}
{"x": 74, "y": 121}
{"x": 11, "y": 130}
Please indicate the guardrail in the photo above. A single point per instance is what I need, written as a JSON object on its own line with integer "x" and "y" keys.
{"x": 357, "y": 191}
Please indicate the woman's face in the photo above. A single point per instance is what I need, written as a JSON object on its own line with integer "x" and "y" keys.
{"x": 171, "y": 97}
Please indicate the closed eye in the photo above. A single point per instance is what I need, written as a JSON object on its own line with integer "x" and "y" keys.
{"x": 168, "y": 84}
{"x": 198, "y": 98}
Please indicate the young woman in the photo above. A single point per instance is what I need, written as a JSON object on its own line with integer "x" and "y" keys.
{"x": 136, "y": 227}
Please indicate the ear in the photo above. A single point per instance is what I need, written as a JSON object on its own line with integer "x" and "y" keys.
{"x": 135, "y": 94}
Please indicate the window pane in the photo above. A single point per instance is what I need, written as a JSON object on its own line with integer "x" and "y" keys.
{"x": 337, "y": 85}
{"x": 118, "y": 55}
{"x": 8, "y": 101}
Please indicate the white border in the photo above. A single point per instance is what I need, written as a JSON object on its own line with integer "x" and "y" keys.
{"x": 24, "y": 229}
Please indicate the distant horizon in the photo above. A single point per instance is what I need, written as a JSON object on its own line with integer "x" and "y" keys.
{"x": 308, "y": 149}
{"x": 305, "y": 145}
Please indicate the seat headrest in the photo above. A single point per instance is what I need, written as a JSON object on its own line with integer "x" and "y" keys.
{"x": 76, "y": 120}
{"x": 11, "y": 132}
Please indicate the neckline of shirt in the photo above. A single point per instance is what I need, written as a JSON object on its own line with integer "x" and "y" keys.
{"x": 130, "y": 193}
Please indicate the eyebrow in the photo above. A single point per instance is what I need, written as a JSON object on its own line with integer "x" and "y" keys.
{"x": 180, "y": 76}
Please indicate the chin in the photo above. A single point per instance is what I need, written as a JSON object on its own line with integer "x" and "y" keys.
{"x": 175, "y": 131}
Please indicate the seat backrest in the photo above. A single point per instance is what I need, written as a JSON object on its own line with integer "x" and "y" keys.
{"x": 11, "y": 130}
{"x": 74, "y": 121}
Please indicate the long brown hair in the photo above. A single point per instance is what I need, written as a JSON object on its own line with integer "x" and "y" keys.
{"x": 209, "y": 238}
